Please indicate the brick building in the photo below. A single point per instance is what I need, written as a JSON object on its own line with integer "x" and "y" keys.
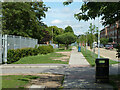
{"x": 111, "y": 31}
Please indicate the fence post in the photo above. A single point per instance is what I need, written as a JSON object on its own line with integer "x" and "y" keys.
{"x": 3, "y": 48}
{"x": 25, "y": 45}
{"x": 5, "y": 59}
{"x": 14, "y": 41}
{"x": 0, "y": 48}
{"x": 36, "y": 41}
{"x": 20, "y": 42}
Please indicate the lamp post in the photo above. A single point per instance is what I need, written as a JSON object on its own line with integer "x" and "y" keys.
{"x": 98, "y": 40}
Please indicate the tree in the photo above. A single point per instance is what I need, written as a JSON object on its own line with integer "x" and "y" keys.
{"x": 91, "y": 35}
{"x": 110, "y": 12}
{"x": 104, "y": 41}
{"x": 66, "y": 39}
{"x": 55, "y": 31}
{"x": 107, "y": 10}
{"x": 68, "y": 29}
{"x": 45, "y": 36}
{"x": 82, "y": 39}
{"x": 24, "y": 19}
{"x": 78, "y": 39}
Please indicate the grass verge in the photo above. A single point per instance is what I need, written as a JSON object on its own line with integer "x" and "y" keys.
{"x": 16, "y": 81}
{"x": 25, "y": 81}
{"x": 62, "y": 50}
{"x": 40, "y": 59}
{"x": 91, "y": 58}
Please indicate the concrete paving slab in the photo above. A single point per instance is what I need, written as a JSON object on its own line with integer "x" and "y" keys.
{"x": 77, "y": 58}
{"x": 32, "y": 65}
{"x": 37, "y": 87}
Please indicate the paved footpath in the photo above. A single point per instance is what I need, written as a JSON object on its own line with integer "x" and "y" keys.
{"x": 77, "y": 59}
{"x": 81, "y": 77}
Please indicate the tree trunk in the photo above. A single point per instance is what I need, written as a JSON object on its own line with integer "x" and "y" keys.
{"x": 58, "y": 45}
{"x": 66, "y": 46}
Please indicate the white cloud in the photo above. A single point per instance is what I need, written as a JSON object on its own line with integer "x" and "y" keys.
{"x": 64, "y": 16}
{"x": 79, "y": 32}
{"x": 56, "y": 21}
{"x": 66, "y": 10}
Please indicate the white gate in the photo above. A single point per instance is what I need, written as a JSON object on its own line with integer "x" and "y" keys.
{"x": 3, "y": 48}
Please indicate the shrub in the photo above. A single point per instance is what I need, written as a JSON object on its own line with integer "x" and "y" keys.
{"x": 42, "y": 49}
{"x": 15, "y": 55}
{"x": 45, "y": 49}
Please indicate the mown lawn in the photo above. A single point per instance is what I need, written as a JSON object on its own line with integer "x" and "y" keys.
{"x": 16, "y": 81}
{"x": 91, "y": 59}
{"x": 62, "y": 49}
{"x": 40, "y": 59}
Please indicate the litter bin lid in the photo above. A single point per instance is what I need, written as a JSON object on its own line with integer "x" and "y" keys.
{"x": 102, "y": 59}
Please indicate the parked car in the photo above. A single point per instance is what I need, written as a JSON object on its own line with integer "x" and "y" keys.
{"x": 101, "y": 45}
{"x": 108, "y": 46}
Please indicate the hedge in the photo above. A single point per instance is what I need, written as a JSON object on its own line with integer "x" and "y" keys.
{"x": 17, "y": 54}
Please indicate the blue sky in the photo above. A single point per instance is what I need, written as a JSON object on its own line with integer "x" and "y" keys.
{"x": 62, "y": 16}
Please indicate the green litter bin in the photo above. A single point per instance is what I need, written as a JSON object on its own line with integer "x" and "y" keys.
{"x": 102, "y": 70}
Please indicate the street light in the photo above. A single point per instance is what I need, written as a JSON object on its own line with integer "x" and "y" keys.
{"x": 98, "y": 40}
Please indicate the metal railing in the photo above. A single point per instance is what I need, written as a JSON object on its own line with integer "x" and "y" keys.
{"x": 14, "y": 42}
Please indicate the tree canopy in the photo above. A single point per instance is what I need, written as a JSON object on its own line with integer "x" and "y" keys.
{"x": 55, "y": 31}
{"x": 104, "y": 41}
{"x": 68, "y": 29}
{"x": 110, "y": 12}
{"x": 66, "y": 38}
{"x": 25, "y": 19}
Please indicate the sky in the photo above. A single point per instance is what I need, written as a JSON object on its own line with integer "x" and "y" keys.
{"x": 62, "y": 16}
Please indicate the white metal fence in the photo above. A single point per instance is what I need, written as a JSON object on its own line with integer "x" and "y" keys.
{"x": 14, "y": 42}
